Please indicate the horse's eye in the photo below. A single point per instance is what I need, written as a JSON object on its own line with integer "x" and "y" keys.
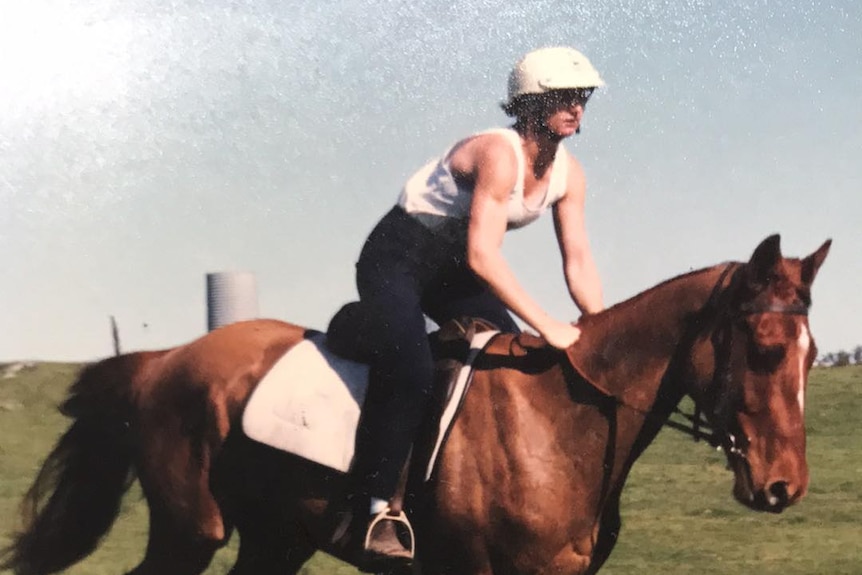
{"x": 765, "y": 359}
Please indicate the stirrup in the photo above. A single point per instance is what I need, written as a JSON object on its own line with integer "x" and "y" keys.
{"x": 387, "y": 515}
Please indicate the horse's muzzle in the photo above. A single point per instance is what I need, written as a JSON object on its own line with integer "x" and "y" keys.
{"x": 774, "y": 497}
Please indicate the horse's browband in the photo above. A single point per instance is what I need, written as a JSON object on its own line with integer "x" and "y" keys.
{"x": 789, "y": 309}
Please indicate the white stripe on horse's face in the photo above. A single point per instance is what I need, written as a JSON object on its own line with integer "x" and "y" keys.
{"x": 804, "y": 342}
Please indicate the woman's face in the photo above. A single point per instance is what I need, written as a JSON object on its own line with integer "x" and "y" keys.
{"x": 564, "y": 110}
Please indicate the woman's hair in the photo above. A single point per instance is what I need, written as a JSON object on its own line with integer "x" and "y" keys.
{"x": 526, "y": 106}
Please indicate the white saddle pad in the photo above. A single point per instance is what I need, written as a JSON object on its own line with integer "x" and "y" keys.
{"x": 310, "y": 400}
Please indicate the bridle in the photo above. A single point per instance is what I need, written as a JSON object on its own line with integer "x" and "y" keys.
{"x": 696, "y": 424}
{"x": 721, "y": 433}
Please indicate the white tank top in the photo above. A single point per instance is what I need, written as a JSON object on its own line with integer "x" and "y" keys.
{"x": 433, "y": 196}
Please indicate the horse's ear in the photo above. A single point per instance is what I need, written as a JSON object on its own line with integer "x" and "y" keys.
{"x": 764, "y": 259}
{"x": 812, "y": 263}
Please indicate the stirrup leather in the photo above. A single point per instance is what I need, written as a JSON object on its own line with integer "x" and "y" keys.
{"x": 387, "y": 515}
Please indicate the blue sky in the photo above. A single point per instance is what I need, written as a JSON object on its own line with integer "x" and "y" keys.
{"x": 144, "y": 143}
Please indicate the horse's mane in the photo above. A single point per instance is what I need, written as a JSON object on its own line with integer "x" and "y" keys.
{"x": 659, "y": 288}
{"x": 647, "y": 324}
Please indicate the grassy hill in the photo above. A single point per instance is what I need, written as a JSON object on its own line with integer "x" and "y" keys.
{"x": 678, "y": 515}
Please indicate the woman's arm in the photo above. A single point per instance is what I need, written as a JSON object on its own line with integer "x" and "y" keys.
{"x": 582, "y": 276}
{"x": 495, "y": 172}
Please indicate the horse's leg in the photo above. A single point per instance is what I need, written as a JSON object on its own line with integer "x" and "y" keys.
{"x": 173, "y": 464}
{"x": 270, "y": 551}
{"x": 609, "y": 530}
{"x": 174, "y": 551}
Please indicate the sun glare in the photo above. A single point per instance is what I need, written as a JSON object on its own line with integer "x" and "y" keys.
{"x": 53, "y": 55}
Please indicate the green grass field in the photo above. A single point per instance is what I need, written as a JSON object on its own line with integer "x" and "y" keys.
{"x": 678, "y": 515}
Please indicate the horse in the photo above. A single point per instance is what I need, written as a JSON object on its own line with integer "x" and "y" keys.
{"x": 529, "y": 479}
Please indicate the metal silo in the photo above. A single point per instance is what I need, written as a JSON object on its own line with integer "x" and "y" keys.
{"x": 231, "y": 296}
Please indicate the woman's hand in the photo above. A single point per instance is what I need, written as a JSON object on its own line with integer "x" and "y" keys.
{"x": 561, "y": 335}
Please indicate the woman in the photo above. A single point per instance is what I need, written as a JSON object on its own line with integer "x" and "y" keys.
{"x": 438, "y": 253}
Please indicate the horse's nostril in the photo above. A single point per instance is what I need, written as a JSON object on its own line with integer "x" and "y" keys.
{"x": 778, "y": 494}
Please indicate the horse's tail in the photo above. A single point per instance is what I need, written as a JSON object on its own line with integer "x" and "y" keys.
{"x": 76, "y": 496}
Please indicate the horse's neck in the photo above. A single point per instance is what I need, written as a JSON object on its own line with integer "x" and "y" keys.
{"x": 628, "y": 348}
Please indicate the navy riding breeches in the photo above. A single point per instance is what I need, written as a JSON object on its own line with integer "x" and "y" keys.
{"x": 406, "y": 272}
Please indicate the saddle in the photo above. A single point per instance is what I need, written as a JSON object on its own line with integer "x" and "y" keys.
{"x": 450, "y": 344}
{"x": 453, "y": 347}
{"x": 310, "y": 404}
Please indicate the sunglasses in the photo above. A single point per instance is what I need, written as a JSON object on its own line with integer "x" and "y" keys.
{"x": 570, "y": 97}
